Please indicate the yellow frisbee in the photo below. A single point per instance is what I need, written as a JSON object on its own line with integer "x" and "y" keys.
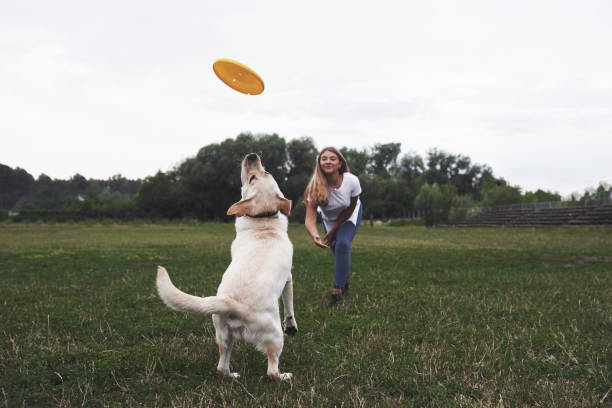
{"x": 238, "y": 76}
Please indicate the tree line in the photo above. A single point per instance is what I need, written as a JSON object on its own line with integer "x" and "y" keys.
{"x": 78, "y": 196}
{"x": 439, "y": 187}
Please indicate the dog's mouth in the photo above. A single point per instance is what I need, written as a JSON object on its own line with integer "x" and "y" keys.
{"x": 252, "y": 169}
{"x": 253, "y": 176}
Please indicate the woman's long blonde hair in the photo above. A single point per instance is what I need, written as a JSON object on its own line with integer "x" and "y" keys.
{"x": 317, "y": 189}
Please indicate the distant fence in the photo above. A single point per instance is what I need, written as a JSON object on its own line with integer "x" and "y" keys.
{"x": 541, "y": 205}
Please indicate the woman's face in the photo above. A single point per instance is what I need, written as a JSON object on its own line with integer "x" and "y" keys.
{"x": 329, "y": 162}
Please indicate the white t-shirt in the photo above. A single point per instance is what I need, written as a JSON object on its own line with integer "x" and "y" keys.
{"x": 340, "y": 199}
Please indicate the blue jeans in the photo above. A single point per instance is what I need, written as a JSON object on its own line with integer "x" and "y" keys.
{"x": 341, "y": 249}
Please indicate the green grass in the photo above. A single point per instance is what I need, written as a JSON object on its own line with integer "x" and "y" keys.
{"x": 436, "y": 317}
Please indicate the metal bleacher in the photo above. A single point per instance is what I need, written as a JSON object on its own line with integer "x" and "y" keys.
{"x": 541, "y": 217}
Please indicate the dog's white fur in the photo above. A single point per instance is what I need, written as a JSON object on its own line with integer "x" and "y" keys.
{"x": 246, "y": 304}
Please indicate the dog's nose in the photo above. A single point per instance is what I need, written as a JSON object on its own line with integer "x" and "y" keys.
{"x": 252, "y": 157}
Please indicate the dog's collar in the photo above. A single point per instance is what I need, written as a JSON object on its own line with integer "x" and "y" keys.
{"x": 263, "y": 215}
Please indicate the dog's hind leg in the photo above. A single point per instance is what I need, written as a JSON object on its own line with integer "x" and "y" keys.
{"x": 225, "y": 340}
{"x": 290, "y": 322}
{"x": 225, "y": 352}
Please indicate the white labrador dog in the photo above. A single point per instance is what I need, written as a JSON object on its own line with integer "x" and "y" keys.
{"x": 246, "y": 305}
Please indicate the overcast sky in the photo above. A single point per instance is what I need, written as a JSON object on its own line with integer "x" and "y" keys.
{"x": 107, "y": 87}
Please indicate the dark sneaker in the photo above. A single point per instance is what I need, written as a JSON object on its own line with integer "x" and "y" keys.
{"x": 335, "y": 300}
{"x": 345, "y": 289}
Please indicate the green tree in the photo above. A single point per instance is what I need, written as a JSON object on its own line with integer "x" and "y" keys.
{"x": 540, "y": 196}
{"x": 439, "y": 166}
{"x": 411, "y": 175}
{"x": 383, "y": 198}
{"x": 357, "y": 159}
{"x": 383, "y": 159}
{"x": 457, "y": 170}
{"x": 78, "y": 185}
{"x": 497, "y": 192}
{"x": 47, "y": 193}
{"x": 120, "y": 184}
{"x": 602, "y": 192}
{"x": 412, "y": 167}
{"x": 156, "y": 198}
{"x": 427, "y": 202}
{"x": 301, "y": 159}
{"x": 435, "y": 201}
{"x": 16, "y": 185}
{"x": 460, "y": 208}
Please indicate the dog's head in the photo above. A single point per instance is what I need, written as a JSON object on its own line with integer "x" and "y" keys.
{"x": 260, "y": 193}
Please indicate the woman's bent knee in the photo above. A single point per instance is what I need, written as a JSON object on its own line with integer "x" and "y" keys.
{"x": 343, "y": 246}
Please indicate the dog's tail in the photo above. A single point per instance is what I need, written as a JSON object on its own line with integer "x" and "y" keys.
{"x": 181, "y": 301}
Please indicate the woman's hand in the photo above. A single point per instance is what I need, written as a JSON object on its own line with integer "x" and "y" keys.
{"x": 318, "y": 242}
{"x": 330, "y": 237}
{"x": 311, "y": 224}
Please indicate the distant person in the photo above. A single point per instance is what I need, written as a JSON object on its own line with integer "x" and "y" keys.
{"x": 334, "y": 192}
{"x": 371, "y": 221}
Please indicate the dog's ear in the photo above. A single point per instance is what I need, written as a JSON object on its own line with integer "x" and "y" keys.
{"x": 240, "y": 208}
{"x": 284, "y": 205}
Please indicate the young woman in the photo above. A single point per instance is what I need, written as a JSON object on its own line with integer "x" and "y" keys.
{"x": 334, "y": 192}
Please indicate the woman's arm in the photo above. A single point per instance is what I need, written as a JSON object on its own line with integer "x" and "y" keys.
{"x": 311, "y": 225}
{"x": 343, "y": 216}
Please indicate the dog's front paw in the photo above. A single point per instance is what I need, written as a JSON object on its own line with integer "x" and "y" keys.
{"x": 290, "y": 326}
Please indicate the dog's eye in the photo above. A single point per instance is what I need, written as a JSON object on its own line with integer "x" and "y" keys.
{"x": 251, "y": 179}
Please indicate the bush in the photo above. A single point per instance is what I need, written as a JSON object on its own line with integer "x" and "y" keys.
{"x": 498, "y": 192}
{"x": 435, "y": 202}
{"x": 460, "y": 209}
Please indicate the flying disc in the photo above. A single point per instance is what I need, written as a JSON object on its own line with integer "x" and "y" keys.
{"x": 238, "y": 76}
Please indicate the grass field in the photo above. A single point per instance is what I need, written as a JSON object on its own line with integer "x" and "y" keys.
{"x": 435, "y": 317}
